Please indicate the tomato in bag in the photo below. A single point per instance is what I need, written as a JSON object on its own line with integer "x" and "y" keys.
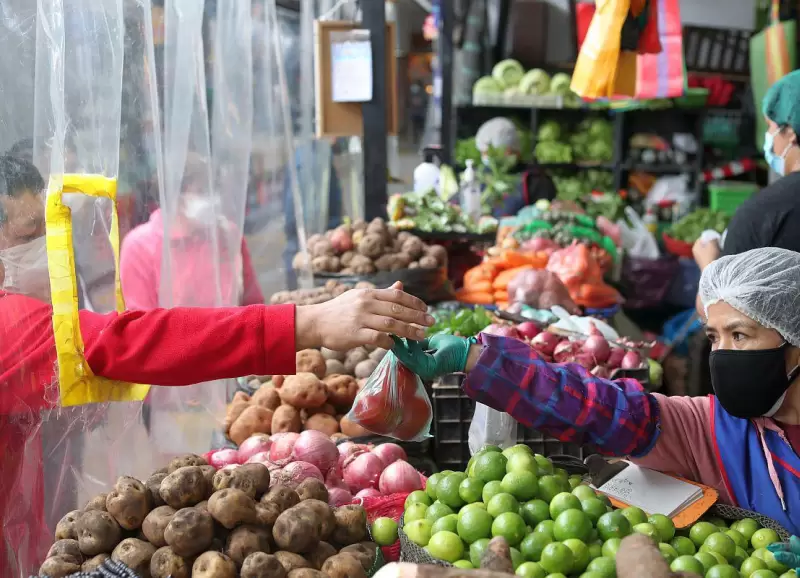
{"x": 393, "y": 403}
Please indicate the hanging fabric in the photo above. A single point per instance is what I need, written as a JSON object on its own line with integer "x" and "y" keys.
{"x": 662, "y": 75}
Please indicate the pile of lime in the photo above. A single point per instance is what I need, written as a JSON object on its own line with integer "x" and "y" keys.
{"x": 559, "y": 527}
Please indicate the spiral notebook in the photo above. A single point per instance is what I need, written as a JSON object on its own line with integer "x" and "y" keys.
{"x": 652, "y": 491}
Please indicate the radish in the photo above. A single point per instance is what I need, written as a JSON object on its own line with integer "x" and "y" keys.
{"x": 545, "y": 342}
{"x": 528, "y": 329}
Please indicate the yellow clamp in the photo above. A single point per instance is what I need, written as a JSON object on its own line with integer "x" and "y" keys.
{"x": 77, "y": 384}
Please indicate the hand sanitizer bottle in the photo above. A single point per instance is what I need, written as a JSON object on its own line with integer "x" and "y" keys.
{"x": 470, "y": 193}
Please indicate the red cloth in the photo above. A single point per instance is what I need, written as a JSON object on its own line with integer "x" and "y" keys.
{"x": 178, "y": 346}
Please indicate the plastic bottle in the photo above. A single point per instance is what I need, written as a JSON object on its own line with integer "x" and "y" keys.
{"x": 651, "y": 221}
{"x": 470, "y": 193}
{"x": 426, "y": 175}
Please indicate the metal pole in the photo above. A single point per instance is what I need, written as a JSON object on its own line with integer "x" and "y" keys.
{"x": 445, "y": 64}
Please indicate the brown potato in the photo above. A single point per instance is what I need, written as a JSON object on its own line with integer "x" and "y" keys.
{"x": 252, "y": 479}
{"x": 291, "y": 561}
{"x": 59, "y": 567}
{"x": 267, "y": 514}
{"x": 231, "y": 507}
{"x": 95, "y": 562}
{"x": 343, "y": 566}
{"x": 96, "y": 503}
{"x": 135, "y": 554}
{"x": 253, "y": 420}
{"x": 306, "y": 573}
{"x": 310, "y": 361}
{"x": 332, "y": 354}
{"x": 153, "y": 486}
{"x": 322, "y": 422}
{"x": 190, "y": 532}
{"x": 297, "y": 529}
{"x": 167, "y": 564}
{"x": 128, "y": 503}
{"x": 213, "y": 565}
{"x": 184, "y": 487}
{"x": 98, "y": 532}
{"x": 303, "y": 390}
{"x": 155, "y": 523}
{"x": 365, "y": 368}
{"x": 312, "y": 489}
{"x": 364, "y": 551}
{"x": 67, "y": 548}
{"x": 342, "y": 390}
{"x": 354, "y": 357}
{"x": 318, "y": 555}
{"x": 267, "y": 396}
{"x": 261, "y": 565}
{"x": 183, "y": 461}
{"x": 351, "y": 525}
{"x": 282, "y": 496}
{"x": 326, "y": 521}
{"x": 333, "y": 367}
{"x": 351, "y": 429}
{"x": 286, "y": 419}
{"x": 208, "y": 474}
{"x": 246, "y": 540}
{"x": 66, "y": 527}
{"x": 233, "y": 411}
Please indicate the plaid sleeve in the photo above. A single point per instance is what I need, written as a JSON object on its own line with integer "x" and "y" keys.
{"x": 563, "y": 400}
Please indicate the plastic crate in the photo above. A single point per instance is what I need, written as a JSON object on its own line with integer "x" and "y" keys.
{"x": 726, "y": 196}
{"x": 693, "y": 98}
{"x": 452, "y": 416}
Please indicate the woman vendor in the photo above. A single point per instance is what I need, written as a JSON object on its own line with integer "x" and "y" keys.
{"x": 741, "y": 441}
{"x": 173, "y": 347}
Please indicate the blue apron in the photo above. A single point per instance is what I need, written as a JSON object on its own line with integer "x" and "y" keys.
{"x": 744, "y": 468}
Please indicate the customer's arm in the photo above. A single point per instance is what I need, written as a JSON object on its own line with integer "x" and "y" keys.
{"x": 252, "y": 294}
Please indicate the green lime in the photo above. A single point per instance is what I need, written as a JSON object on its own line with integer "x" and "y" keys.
{"x": 557, "y": 558}
{"x": 760, "y": 553}
{"x": 584, "y": 492}
{"x": 522, "y": 462}
{"x": 700, "y": 531}
{"x": 438, "y": 510}
{"x": 687, "y": 564}
{"x": 470, "y": 507}
{"x": 575, "y": 481}
{"x": 723, "y": 571}
{"x": 464, "y": 564}
{"x": 763, "y": 538}
{"x": 610, "y": 547}
{"x": 534, "y": 511}
{"x": 491, "y": 448}
{"x": 572, "y": 524}
{"x": 447, "y": 490}
{"x": 722, "y": 544}
{"x": 550, "y": 486}
{"x": 545, "y": 465}
{"x": 557, "y": 575}
{"x": 418, "y": 531}
{"x": 738, "y": 558}
{"x": 517, "y": 449}
{"x": 502, "y": 503}
{"x": 446, "y": 546}
{"x": 764, "y": 574}
{"x": 490, "y": 466}
{"x": 384, "y": 531}
{"x": 533, "y": 544}
{"x": 470, "y": 490}
{"x": 789, "y": 574}
{"x": 545, "y": 527}
{"x": 773, "y": 564}
{"x": 751, "y": 565}
{"x": 596, "y": 550}
{"x": 446, "y": 523}
{"x": 683, "y": 545}
{"x": 516, "y": 558}
{"x": 665, "y": 527}
{"x": 593, "y": 508}
{"x": 474, "y": 525}
{"x": 668, "y": 552}
{"x": 590, "y": 575}
{"x": 530, "y": 570}
{"x": 746, "y": 527}
{"x": 719, "y": 557}
{"x": 562, "y": 473}
{"x": 635, "y": 515}
{"x": 739, "y": 538}
{"x": 605, "y": 499}
{"x": 717, "y": 521}
{"x": 476, "y": 551}
{"x": 613, "y": 525}
{"x": 605, "y": 567}
{"x": 580, "y": 555}
{"x": 510, "y": 526}
{"x": 707, "y": 560}
{"x": 562, "y": 502}
{"x": 522, "y": 485}
{"x": 418, "y": 497}
{"x": 648, "y": 530}
{"x": 430, "y": 485}
{"x": 490, "y": 490}
{"x": 415, "y": 511}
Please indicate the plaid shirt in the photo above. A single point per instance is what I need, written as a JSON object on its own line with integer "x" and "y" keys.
{"x": 618, "y": 418}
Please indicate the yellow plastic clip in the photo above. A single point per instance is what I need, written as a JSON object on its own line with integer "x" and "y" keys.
{"x": 77, "y": 384}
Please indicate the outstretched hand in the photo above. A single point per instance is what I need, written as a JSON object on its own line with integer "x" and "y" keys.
{"x": 787, "y": 554}
{"x": 362, "y": 317}
{"x": 434, "y": 357}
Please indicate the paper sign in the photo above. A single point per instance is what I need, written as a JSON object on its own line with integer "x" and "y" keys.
{"x": 652, "y": 491}
{"x": 351, "y": 66}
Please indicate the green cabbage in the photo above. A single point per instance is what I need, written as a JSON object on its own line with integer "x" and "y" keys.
{"x": 486, "y": 85}
{"x": 560, "y": 84}
{"x": 549, "y": 131}
{"x": 536, "y": 82}
{"x": 508, "y": 72}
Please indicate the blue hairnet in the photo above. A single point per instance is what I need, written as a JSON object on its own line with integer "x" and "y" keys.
{"x": 781, "y": 104}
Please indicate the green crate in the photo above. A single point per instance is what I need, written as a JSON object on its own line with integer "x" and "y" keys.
{"x": 726, "y": 196}
{"x": 693, "y": 98}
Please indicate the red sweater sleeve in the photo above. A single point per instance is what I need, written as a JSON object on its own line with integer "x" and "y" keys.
{"x": 252, "y": 294}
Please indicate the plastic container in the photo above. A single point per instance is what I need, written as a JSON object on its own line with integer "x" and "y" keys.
{"x": 726, "y": 196}
{"x": 676, "y": 247}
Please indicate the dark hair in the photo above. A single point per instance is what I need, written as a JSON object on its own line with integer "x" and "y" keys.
{"x": 18, "y": 176}
{"x": 22, "y": 149}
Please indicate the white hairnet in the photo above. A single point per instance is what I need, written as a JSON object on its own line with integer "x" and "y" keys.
{"x": 764, "y": 284}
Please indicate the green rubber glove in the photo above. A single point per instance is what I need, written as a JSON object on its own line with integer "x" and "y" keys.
{"x": 449, "y": 355}
{"x": 787, "y": 554}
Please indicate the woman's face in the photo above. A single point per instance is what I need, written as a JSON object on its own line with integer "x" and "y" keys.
{"x": 783, "y": 138}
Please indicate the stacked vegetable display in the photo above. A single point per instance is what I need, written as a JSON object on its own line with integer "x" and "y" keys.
{"x": 689, "y": 228}
{"x": 190, "y": 519}
{"x": 315, "y": 295}
{"x": 427, "y": 212}
{"x": 591, "y": 141}
{"x": 557, "y": 526}
{"x": 509, "y": 80}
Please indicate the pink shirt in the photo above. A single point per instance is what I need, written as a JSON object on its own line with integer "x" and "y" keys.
{"x": 193, "y": 269}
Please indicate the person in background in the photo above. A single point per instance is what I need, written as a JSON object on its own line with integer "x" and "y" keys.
{"x": 743, "y": 441}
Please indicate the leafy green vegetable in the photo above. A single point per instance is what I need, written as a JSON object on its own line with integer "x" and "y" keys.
{"x": 465, "y": 150}
{"x": 462, "y": 322}
{"x": 689, "y": 228}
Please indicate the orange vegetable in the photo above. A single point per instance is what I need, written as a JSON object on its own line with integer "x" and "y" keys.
{"x": 501, "y": 295}
{"x": 502, "y": 304}
{"x": 596, "y": 296}
{"x": 475, "y": 298}
{"x": 479, "y": 287}
{"x": 502, "y": 280}
{"x": 483, "y": 272}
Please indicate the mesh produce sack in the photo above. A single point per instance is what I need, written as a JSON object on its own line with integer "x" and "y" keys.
{"x": 108, "y": 569}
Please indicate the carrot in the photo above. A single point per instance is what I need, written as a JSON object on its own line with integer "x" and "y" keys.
{"x": 483, "y": 272}
{"x": 502, "y": 280}
{"x": 475, "y": 297}
{"x": 502, "y": 304}
{"x": 501, "y": 295}
{"x": 478, "y": 287}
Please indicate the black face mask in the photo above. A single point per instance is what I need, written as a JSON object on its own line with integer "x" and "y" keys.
{"x": 749, "y": 384}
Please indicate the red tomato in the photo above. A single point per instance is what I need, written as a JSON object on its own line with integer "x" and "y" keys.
{"x": 376, "y": 413}
{"x": 406, "y": 382}
{"x": 416, "y": 416}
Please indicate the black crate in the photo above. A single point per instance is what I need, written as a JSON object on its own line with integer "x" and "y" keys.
{"x": 717, "y": 50}
{"x": 452, "y": 415}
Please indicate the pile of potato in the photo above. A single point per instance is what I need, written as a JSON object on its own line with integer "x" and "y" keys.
{"x": 316, "y": 398}
{"x": 363, "y": 248}
{"x": 190, "y": 520}
{"x": 316, "y": 295}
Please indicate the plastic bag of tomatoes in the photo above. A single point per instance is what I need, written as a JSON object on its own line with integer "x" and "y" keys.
{"x": 393, "y": 403}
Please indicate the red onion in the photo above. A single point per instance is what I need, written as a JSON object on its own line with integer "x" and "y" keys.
{"x": 601, "y": 371}
{"x": 343, "y": 447}
{"x": 253, "y": 445}
{"x": 566, "y": 351}
{"x": 632, "y": 360}
{"x": 545, "y": 342}
{"x": 502, "y": 331}
{"x": 282, "y": 445}
{"x": 362, "y": 471}
{"x": 367, "y": 493}
{"x": 294, "y": 473}
{"x": 334, "y": 479}
{"x": 598, "y": 347}
{"x": 221, "y": 458}
{"x": 399, "y": 477}
{"x": 389, "y": 453}
{"x": 339, "y": 497}
{"x": 352, "y": 450}
{"x": 615, "y": 358}
{"x": 593, "y": 330}
{"x": 316, "y": 448}
{"x": 585, "y": 359}
{"x": 528, "y": 329}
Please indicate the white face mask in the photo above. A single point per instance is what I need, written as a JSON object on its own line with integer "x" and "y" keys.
{"x": 26, "y": 270}
{"x": 203, "y": 211}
